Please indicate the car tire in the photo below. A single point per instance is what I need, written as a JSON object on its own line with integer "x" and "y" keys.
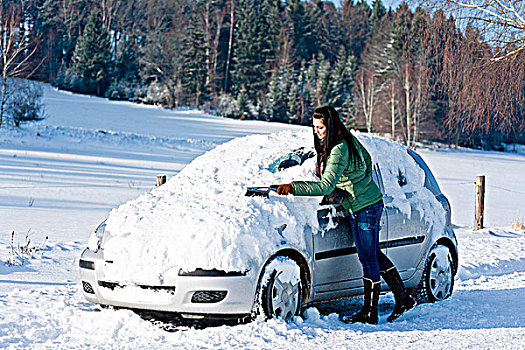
{"x": 437, "y": 281}
{"x": 280, "y": 289}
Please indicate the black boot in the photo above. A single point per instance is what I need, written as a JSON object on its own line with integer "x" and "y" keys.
{"x": 404, "y": 301}
{"x": 368, "y": 313}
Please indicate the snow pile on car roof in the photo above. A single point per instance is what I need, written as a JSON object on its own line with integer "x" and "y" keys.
{"x": 201, "y": 218}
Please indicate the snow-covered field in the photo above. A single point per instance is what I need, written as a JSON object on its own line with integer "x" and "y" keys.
{"x": 61, "y": 177}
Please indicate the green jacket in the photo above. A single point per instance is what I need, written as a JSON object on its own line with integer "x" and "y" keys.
{"x": 360, "y": 190}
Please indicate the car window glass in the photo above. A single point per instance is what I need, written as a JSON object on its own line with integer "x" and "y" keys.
{"x": 296, "y": 157}
{"x": 430, "y": 180}
{"x": 401, "y": 178}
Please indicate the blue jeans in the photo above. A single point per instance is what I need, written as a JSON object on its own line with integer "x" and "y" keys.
{"x": 364, "y": 224}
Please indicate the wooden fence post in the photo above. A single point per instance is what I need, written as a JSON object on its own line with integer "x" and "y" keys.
{"x": 480, "y": 202}
{"x": 161, "y": 180}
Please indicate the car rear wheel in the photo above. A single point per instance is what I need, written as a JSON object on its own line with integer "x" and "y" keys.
{"x": 437, "y": 281}
{"x": 280, "y": 290}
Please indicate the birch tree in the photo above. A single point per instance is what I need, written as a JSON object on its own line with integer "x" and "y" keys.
{"x": 368, "y": 88}
{"x": 15, "y": 50}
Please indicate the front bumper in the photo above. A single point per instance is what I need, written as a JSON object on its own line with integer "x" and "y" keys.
{"x": 190, "y": 295}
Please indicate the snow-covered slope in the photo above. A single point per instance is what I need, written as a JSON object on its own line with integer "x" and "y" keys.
{"x": 64, "y": 181}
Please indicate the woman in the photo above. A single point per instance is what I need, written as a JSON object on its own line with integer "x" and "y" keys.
{"x": 343, "y": 163}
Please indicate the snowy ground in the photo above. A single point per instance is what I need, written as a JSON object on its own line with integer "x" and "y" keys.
{"x": 62, "y": 176}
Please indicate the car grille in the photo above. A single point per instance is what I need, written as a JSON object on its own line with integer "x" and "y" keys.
{"x": 87, "y": 288}
{"x": 113, "y": 285}
{"x": 208, "y": 296}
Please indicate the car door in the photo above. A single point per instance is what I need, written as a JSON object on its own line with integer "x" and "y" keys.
{"x": 337, "y": 269}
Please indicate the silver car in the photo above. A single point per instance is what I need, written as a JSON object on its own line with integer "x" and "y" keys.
{"x": 293, "y": 277}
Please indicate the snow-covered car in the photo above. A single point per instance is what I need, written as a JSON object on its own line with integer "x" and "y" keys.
{"x": 198, "y": 247}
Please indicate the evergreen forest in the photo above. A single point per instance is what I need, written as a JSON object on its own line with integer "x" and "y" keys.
{"x": 408, "y": 72}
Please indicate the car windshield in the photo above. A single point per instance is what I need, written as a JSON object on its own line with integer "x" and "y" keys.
{"x": 296, "y": 157}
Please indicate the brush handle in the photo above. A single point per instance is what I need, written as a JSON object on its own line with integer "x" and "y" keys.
{"x": 259, "y": 191}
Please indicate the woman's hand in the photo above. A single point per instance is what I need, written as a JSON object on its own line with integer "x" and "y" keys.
{"x": 283, "y": 189}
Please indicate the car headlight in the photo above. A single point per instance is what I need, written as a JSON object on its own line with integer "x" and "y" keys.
{"x": 96, "y": 237}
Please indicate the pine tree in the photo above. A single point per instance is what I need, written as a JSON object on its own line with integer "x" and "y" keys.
{"x": 311, "y": 80}
{"x": 355, "y": 23}
{"x": 378, "y": 12}
{"x": 125, "y": 76}
{"x": 294, "y": 100}
{"x": 57, "y": 24}
{"x": 195, "y": 65}
{"x": 256, "y": 42}
{"x": 342, "y": 81}
{"x": 302, "y": 19}
{"x": 243, "y": 109}
{"x": 273, "y": 98}
{"x": 279, "y": 94}
{"x": 305, "y": 104}
{"x": 272, "y": 12}
{"x": 324, "y": 77}
{"x": 327, "y": 28}
{"x": 92, "y": 58}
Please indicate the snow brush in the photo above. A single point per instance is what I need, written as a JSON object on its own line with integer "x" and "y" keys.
{"x": 259, "y": 191}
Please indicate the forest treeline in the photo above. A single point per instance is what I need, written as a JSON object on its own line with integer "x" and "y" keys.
{"x": 407, "y": 72}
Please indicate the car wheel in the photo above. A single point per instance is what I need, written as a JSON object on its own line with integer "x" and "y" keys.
{"x": 280, "y": 289}
{"x": 437, "y": 281}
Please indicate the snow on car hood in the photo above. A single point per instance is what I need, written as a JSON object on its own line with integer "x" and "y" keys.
{"x": 201, "y": 218}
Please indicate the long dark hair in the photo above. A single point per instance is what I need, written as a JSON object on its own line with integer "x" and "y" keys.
{"x": 335, "y": 132}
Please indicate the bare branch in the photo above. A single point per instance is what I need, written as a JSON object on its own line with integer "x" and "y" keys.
{"x": 509, "y": 54}
{"x": 500, "y": 13}
{"x": 496, "y": 18}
